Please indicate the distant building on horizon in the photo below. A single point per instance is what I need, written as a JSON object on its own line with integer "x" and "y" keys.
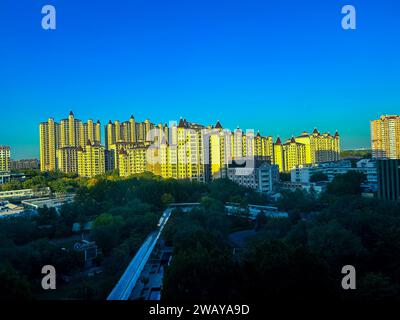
{"x": 385, "y": 137}
{"x": 24, "y": 164}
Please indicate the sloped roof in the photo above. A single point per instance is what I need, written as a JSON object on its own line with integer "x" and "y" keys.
{"x": 182, "y": 123}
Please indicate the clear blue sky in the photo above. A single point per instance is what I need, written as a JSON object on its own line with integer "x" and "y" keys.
{"x": 278, "y": 66}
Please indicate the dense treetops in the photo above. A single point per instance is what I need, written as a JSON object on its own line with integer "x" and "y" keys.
{"x": 288, "y": 258}
{"x": 122, "y": 213}
{"x": 299, "y": 258}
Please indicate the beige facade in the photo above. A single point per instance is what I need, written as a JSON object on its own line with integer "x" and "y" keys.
{"x": 4, "y": 159}
{"x": 67, "y": 159}
{"x": 91, "y": 160}
{"x": 320, "y": 147}
{"x": 59, "y": 142}
{"x": 128, "y": 131}
{"x": 385, "y": 137}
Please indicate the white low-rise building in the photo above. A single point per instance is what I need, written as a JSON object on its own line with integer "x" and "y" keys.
{"x": 254, "y": 210}
{"x": 49, "y": 202}
{"x": 316, "y": 187}
{"x": 255, "y": 174}
{"x": 368, "y": 167}
{"x": 303, "y": 173}
{"x": 24, "y": 193}
{"x": 5, "y": 177}
{"x": 8, "y": 209}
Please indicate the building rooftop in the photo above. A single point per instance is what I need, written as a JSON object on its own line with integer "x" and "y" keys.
{"x": 218, "y": 125}
{"x": 8, "y": 209}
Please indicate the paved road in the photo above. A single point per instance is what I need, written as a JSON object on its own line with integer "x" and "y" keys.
{"x": 239, "y": 238}
{"x": 125, "y": 285}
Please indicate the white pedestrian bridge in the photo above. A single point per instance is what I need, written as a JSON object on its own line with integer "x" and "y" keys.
{"x": 123, "y": 289}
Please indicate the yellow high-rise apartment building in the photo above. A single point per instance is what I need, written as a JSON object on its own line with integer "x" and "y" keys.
{"x": 49, "y": 134}
{"x": 263, "y": 146}
{"x": 306, "y": 149}
{"x": 4, "y": 159}
{"x": 91, "y": 160}
{"x": 128, "y": 131}
{"x": 184, "y": 151}
{"x": 385, "y": 137}
{"x": 67, "y": 159}
{"x": 278, "y": 155}
{"x": 227, "y": 146}
{"x": 183, "y": 154}
{"x": 320, "y": 147}
{"x": 127, "y": 135}
{"x": 192, "y": 151}
{"x": 289, "y": 154}
{"x": 183, "y": 158}
{"x": 60, "y": 143}
{"x": 238, "y": 145}
{"x": 132, "y": 161}
{"x": 245, "y": 145}
{"x": 219, "y": 151}
{"x": 75, "y": 133}
{"x": 294, "y": 154}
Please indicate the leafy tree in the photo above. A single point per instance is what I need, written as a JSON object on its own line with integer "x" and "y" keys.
{"x": 275, "y": 228}
{"x": 334, "y": 243}
{"x": 319, "y": 176}
{"x": 103, "y": 220}
{"x": 261, "y": 220}
{"x": 46, "y": 216}
{"x": 377, "y": 287}
{"x": 36, "y": 183}
{"x": 85, "y": 291}
{"x": 289, "y": 258}
{"x": 298, "y": 201}
{"x": 274, "y": 270}
{"x": 14, "y": 287}
{"x": 107, "y": 237}
{"x": 63, "y": 185}
{"x": 119, "y": 258}
{"x": 167, "y": 199}
{"x": 200, "y": 274}
{"x": 347, "y": 184}
{"x": 284, "y": 176}
{"x": 13, "y": 184}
